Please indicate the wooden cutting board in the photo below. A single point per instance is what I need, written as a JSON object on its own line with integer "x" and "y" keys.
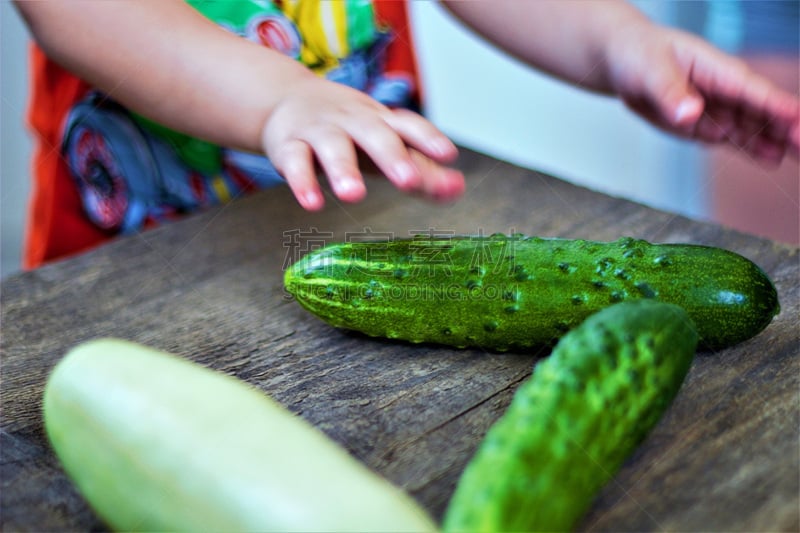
{"x": 209, "y": 288}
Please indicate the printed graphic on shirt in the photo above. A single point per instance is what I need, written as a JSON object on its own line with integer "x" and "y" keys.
{"x": 340, "y": 40}
{"x": 127, "y": 176}
{"x": 131, "y": 171}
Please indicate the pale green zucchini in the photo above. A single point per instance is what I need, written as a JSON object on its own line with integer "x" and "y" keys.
{"x": 155, "y": 442}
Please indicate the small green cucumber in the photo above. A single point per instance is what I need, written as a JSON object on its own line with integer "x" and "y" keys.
{"x": 158, "y": 443}
{"x": 571, "y": 425}
{"x": 514, "y": 292}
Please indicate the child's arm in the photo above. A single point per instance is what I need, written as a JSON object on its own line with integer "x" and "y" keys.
{"x": 165, "y": 61}
{"x": 674, "y": 79}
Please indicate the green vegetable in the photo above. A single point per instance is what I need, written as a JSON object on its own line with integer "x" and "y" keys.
{"x": 157, "y": 443}
{"x": 511, "y": 292}
{"x": 573, "y": 423}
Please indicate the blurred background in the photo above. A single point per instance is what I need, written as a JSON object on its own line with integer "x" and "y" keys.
{"x": 492, "y": 104}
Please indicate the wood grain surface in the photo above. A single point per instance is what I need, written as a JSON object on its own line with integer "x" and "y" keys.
{"x": 209, "y": 288}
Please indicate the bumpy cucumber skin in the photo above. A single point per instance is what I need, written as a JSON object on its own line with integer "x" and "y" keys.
{"x": 573, "y": 423}
{"x": 157, "y": 443}
{"x": 514, "y": 292}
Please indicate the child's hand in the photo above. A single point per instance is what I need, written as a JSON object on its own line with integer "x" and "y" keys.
{"x": 325, "y": 123}
{"x": 686, "y": 86}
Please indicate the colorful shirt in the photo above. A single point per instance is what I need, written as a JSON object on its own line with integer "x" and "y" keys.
{"x": 100, "y": 170}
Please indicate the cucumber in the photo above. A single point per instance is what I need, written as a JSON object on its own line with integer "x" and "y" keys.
{"x": 571, "y": 425}
{"x": 157, "y": 443}
{"x": 515, "y": 292}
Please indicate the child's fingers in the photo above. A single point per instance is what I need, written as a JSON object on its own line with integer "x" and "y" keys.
{"x": 333, "y": 125}
{"x": 386, "y": 149}
{"x": 294, "y": 161}
{"x": 783, "y": 119}
{"x": 336, "y": 155}
{"x": 794, "y": 138}
{"x": 718, "y": 77}
{"x": 421, "y": 145}
{"x": 668, "y": 89}
{"x": 383, "y": 145}
{"x": 422, "y": 135}
{"x": 753, "y": 115}
{"x": 763, "y": 113}
{"x": 748, "y": 127}
{"x": 760, "y": 98}
{"x": 716, "y": 124}
{"x": 439, "y": 183}
{"x": 768, "y": 151}
{"x": 779, "y": 131}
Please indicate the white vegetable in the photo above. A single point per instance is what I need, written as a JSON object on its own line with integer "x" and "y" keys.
{"x": 155, "y": 442}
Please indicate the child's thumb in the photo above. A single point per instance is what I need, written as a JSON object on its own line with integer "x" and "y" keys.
{"x": 677, "y": 101}
{"x": 688, "y": 110}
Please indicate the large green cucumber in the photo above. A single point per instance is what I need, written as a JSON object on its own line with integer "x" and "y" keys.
{"x": 573, "y": 423}
{"x": 157, "y": 443}
{"x": 510, "y": 292}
